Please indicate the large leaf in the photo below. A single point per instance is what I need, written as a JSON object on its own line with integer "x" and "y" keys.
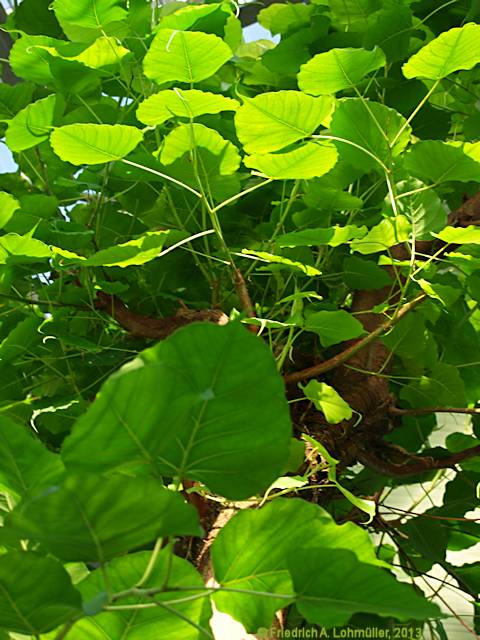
{"x": 94, "y": 143}
{"x": 16, "y": 249}
{"x": 334, "y": 326}
{"x": 184, "y": 103}
{"x": 36, "y": 593}
{"x": 353, "y": 13}
{"x": 104, "y": 52}
{"x": 331, "y": 587}
{"x": 370, "y": 126}
{"x": 184, "y": 56}
{"x": 421, "y": 207}
{"x": 310, "y": 160}
{"x": 436, "y": 161}
{"x": 187, "y": 137}
{"x": 25, "y": 463}
{"x": 364, "y": 274}
{"x": 338, "y": 69}
{"x": 32, "y": 125}
{"x": 442, "y": 387}
{"x": 455, "y": 235}
{"x": 85, "y": 20}
{"x": 272, "y": 121}
{"x": 89, "y": 518}
{"x": 251, "y": 553}
{"x": 29, "y": 61}
{"x": 219, "y": 416}
{"x": 147, "y": 624}
{"x": 456, "y": 49}
{"x": 280, "y": 18}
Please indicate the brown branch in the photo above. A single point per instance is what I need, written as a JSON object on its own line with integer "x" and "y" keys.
{"x": 413, "y": 464}
{"x": 245, "y": 300}
{"x": 344, "y": 356}
{"x": 426, "y": 410}
{"x": 154, "y": 328}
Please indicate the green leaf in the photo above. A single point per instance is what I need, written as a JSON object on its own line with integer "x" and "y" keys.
{"x": 385, "y": 234}
{"x": 328, "y": 401}
{"x": 219, "y": 416}
{"x": 423, "y": 209}
{"x": 333, "y": 237}
{"x": 14, "y": 98}
{"x": 185, "y": 17}
{"x": 330, "y": 587}
{"x": 36, "y": 593}
{"x": 85, "y": 20}
{"x": 184, "y": 56}
{"x": 94, "y": 143}
{"x": 272, "y": 121}
{"x": 134, "y": 252}
{"x": 451, "y": 51}
{"x": 373, "y": 128}
{"x": 280, "y": 18}
{"x": 187, "y": 137}
{"x": 8, "y": 206}
{"x": 445, "y": 294}
{"x": 309, "y": 160}
{"x": 443, "y": 387}
{"x": 29, "y": 61}
{"x": 184, "y": 103}
{"x": 338, "y": 69}
{"x": 364, "y": 274}
{"x": 15, "y": 249}
{"x": 271, "y": 258}
{"x": 437, "y": 161}
{"x": 176, "y": 621}
{"x": 89, "y": 517}
{"x": 353, "y": 13}
{"x": 32, "y": 125}
{"x": 334, "y": 326}
{"x": 104, "y": 52}
{"x": 25, "y": 463}
{"x": 251, "y": 552}
{"x": 456, "y": 235}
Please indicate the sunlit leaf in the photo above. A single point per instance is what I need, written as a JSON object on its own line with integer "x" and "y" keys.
{"x": 279, "y": 17}
{"x": 385, "y": 234}
{"x": 32, "y": 125}
{"x": 310, "y": 160}
{"x": 272, "y": 121}
{"x": 104, "y": 52}
{"x": 328, "y": 401}
{"x": 452, "y": 50}
{"x": 338, "y": 69}
{"x": 186, "y": 137}
{"x": 94, "y": 143}
{"x": 184, "y": 56}
{"x": 334, "y": 236}
{"x": 186, "y": 103}
{"x": 8, "y": 206}
{"x": 307, "y": 269}
{"x": 85, "y": 20}
{"x": 464, "y": 235}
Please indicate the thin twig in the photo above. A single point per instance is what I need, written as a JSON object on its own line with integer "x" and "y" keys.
{"x": 426, "y": 410}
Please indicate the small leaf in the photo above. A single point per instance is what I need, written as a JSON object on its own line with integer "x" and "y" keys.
{"x": 187, "y": 137}
{"x": 272, "y": 121}
{"x": 184, "y": 103}
{"x": 451, "y": 51}
{"x": 307, "y": 269}
{"x": 32, "y": 125}
{"x": 385, "y": 234}
{"x": 309, "y": 160}
{"x": 8, "y": 206}
{"x": 442, "y": 387}
{"x": 328, "y": 401}
{"x": 334, "y": 326}
{"x": 445, "y": 294}
{"x": 184, "y": 56}
{"x": 333, "y": 585}
{"x": 333, "y": 237}
{"x": 104, "y": 52}
{"x": 36, "y": 593}
{"x": 94, "y": 143}
{"x": 338, "y": 69}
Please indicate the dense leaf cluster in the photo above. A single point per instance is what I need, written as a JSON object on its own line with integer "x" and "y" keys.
{"x": 317, "y": 197}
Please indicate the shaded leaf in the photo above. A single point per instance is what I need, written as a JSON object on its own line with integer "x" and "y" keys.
{"x": 437, "y": 161}
{"x": 32, "y": 125}
{"x": 334, "y": 326}
{"x": 85, "y": 20}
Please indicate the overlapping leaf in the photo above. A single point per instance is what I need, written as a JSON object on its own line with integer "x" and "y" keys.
{"x": 94, "y": 143}
{"x": 188, "y": 103}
